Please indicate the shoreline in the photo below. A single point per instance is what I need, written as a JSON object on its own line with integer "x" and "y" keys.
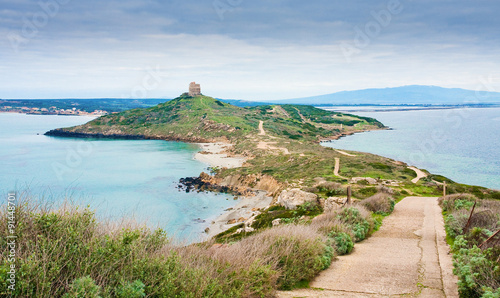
{"x": 246, "y": 208}
{"x": 215, "y": 155}
{"x": 55, "y": 114}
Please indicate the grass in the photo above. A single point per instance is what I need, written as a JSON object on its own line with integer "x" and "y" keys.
{"x": 205, "y": 118}
{"x": 66, "y": 252}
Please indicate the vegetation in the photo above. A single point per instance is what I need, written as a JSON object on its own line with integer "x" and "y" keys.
{"x": 67, "y": 253}
{"x": 476, "y": 264}
{"x": 203, "y": 117}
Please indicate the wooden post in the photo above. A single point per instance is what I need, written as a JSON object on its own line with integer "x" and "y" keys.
{"x": 470, "y": 217}
{"x": 444, "y": 189}
{"x": 349, "y": 195}
{"x": 489, "y": 239}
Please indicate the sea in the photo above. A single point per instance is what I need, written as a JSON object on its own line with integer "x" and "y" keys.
{"x": 129, "y": 179}
{"x": 461, "y": 144}
{"x": 119, "y": 179}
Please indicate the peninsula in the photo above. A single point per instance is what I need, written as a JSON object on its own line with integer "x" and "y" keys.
{"x": 302, "y": 203}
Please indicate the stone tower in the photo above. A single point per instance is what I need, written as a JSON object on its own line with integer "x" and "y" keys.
{"x": 194, "y": 89}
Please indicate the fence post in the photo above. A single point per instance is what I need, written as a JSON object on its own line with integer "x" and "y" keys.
{"x": 349, "y": 195}
{"x": 470, "y": 218}
{"x": 444, "y": 189}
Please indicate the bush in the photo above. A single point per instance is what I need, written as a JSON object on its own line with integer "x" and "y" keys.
{"x": 265, "y": 219}
{"x": 381, "y": 203}
{"x": 84, "y": 287}
{"x": 358, "y": 219}
{"x": 477, "y": 270}
{"x": 296, "y": 252}
{"x": 343, "y": 243}
{"x": 365, "y": 192}
{"x": 67, "y": 253}
{"x": 457, "y": 202}
{"x": 131, "y": 290}
{"x": 339, "y": 233}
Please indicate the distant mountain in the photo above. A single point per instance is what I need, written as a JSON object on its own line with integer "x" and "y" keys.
{"x": 415, "y": 94}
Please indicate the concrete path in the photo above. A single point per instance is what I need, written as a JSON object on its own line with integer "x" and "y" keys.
{"x": 408, "y": 257}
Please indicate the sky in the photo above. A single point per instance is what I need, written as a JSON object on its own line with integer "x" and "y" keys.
{"x": 244, "y": 49}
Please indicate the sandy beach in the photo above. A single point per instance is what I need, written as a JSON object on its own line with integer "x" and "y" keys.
{"x": 245, "y": 209}
{"x": 214, "y": 155}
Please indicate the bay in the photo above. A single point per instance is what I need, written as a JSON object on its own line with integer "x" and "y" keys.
{"x": 118, "y": 178}
{"x": 461, "y": 144}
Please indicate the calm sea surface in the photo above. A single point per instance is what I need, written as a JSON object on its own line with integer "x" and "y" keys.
{"x": 117, "y": 178}
{"x": 461, "y": 144}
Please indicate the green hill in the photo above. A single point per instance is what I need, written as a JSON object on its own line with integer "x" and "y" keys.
{"x": 203, "y": 118}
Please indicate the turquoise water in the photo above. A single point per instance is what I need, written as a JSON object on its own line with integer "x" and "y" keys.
{"x": 117, "y": 178}
{"x": 461, "y": 144}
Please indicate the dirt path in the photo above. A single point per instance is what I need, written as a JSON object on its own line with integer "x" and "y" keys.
{"x": 407, "y": 256}
{"x": 262, "y": 132}
{"x": 337, "y": 167}
{"x": 269, "y": 146}
{"x": 301, "y": 116}
{"x": 345, "y": 153}
{"x": 420, "y": 174}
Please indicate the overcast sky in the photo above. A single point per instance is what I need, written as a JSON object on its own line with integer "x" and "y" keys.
{"x": 245, "y": 49}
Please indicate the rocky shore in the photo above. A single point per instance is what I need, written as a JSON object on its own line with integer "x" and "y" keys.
{"x": 123, "y": 136}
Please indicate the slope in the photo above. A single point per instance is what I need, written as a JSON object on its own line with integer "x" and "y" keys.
{"x": 204, "y": 119}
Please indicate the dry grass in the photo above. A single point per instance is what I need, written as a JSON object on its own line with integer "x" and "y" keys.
{"x": 297, "y": 252}
{"x": 64, "y": 250}
{"x": 381, "y": 203}
{"x": 58, "y": 248}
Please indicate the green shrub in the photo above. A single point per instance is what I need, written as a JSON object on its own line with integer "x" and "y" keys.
{"x": 365, "y": 192}
{"x": 265, "y": 219}
{"x": 84, "y": 287}
{"x": 131, "y": 290}
{"x": 360, "y": 225}
{"x": 343, "y": 242}
{"x": 476, "y": 269}
{"x": 457, "y": 202}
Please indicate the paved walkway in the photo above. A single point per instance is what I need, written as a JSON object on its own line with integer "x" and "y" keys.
{"x": 408, "y": 257}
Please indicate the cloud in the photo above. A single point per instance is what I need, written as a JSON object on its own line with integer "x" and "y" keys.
{"x": 258, "y": 50}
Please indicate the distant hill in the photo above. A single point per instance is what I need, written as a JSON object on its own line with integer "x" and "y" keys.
{"x": 203, "y": 118}
{"x": 85, "y": 104}
{"x": 415, "y": 94}
{"x": 244, "y": 103}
